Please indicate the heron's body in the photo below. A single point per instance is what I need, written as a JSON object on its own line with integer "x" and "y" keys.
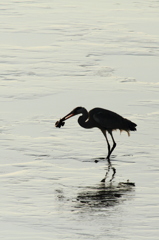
{"x": 105, "y": 120}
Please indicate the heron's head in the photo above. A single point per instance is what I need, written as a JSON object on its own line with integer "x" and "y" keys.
{"x": 74, "y": 112}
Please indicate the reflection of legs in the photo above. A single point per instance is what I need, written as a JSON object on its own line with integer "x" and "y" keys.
{"x": 114, "y": 171}
{"x": 108, "y": 157}
{"x": 109, "y": 166}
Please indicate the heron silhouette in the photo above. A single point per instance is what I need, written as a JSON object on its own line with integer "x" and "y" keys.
{"x": 106, "y": 121}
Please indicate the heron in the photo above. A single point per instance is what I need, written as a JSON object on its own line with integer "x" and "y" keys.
{"x": 107, "y": 121}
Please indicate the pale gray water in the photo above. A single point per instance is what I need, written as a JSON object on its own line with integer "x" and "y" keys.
{"x": 56, "y": 55}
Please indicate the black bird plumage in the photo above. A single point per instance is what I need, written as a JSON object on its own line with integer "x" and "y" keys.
{"x": 106, "y": 121}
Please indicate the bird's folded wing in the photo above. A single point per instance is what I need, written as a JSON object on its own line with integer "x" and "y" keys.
{"x": 108, "y": 120}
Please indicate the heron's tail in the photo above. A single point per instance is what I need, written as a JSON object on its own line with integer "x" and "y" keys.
{"x": 129, "y": 126}
{"x": 132, "y": 126}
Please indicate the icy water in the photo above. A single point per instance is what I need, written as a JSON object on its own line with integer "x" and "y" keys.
{"x": 54, "y": 56}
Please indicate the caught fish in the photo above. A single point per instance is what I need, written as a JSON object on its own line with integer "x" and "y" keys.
{"x": 59, "y": 123}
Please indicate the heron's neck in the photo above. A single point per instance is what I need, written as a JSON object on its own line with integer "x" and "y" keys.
{"x": 84, "y": 120}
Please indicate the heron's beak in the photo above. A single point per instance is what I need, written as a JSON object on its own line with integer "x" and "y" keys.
{"x": 68, "y": 116}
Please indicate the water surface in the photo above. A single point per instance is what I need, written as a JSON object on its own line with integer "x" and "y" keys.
{"x": 56, "y": 56}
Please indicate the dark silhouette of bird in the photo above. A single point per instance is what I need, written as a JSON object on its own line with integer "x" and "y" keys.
{"x": 106, "y": 121}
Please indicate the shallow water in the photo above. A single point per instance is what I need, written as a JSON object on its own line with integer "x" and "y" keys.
{"x": 56, "y": 56}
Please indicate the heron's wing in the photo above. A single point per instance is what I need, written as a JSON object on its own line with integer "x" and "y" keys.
{"x": 107, "y": 119}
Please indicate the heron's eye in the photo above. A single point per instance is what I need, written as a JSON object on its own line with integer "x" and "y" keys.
{"x": 77, "y": 110}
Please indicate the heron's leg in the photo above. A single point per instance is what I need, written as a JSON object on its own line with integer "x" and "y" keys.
{"x": 114, "y": 145}
{"x": 105, "y": 135}
{"x": 109, "y": 152}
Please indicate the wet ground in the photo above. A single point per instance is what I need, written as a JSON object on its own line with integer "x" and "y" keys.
{"x": 56, "y": 56}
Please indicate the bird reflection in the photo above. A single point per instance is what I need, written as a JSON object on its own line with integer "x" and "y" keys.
{"x": 104, "y": 196}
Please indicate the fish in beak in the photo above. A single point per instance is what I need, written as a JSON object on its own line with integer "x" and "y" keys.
{"x": 74, "y": 112}
{"x": 61, "y": 121}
